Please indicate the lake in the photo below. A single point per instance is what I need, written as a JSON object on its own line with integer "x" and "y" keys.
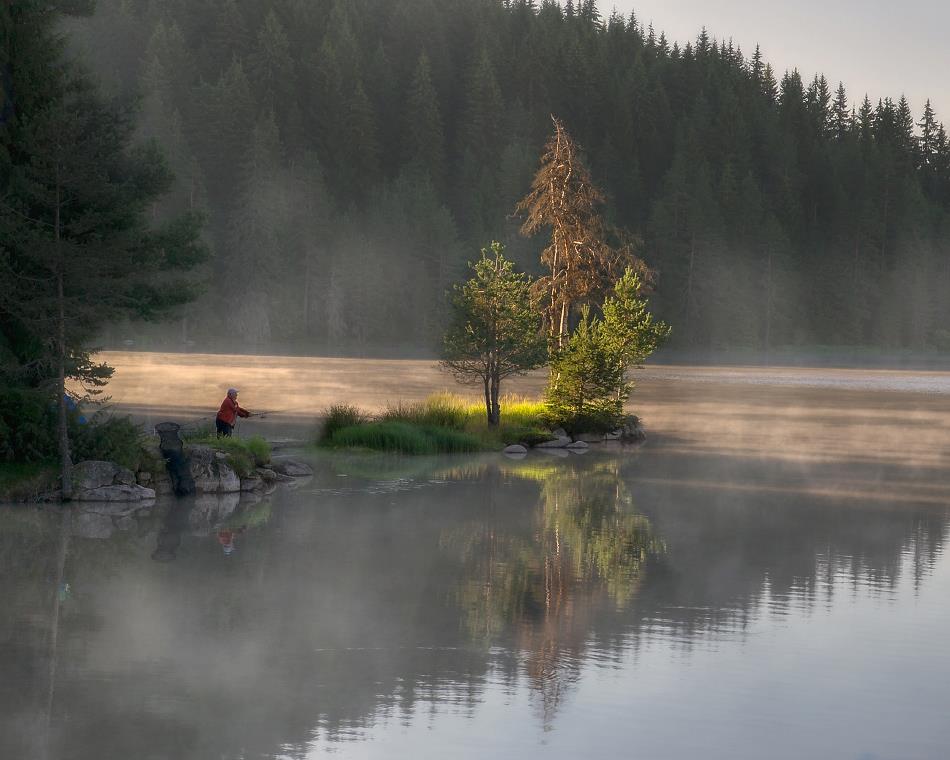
{"x": 767, "y": 577}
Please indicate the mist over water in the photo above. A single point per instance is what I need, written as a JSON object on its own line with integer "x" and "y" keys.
{"x": 767, "y": 577}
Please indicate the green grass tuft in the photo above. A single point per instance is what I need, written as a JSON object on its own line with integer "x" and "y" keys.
{"x": 439, "y": 424}
{"x": 25, "y": 481}
{"x": 404, "y": 438}
{"x": 244, "y": 454}
{"x": 341, "y": 416}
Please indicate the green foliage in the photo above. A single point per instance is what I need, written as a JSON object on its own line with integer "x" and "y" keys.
{"x": 340, "y": 416}
{"x": 111, "y": 439}
{"x": 438, "y": 410}
{"x": 25, "y": 481}
{"x": 495, "y": 331}
{"x": 27, "y": 426}
{"x": 28, "y": 432}
{"x": 588, "y": 384}
{"x": 404, "y": 438}
{"x": 244, "y": 454}
{"x": 522, "y": 422}
{"x": 771, "y": 215}
{"x": 586, "y": 380}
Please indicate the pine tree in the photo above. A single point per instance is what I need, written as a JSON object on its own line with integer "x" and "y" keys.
{"x": 840, "y": 114}
{"x": 361, "y": 157}
{"x": 272, "y": 66}
{"x": 424, "y": 143}
{"x": 78, "y": 249}
{"x": 483, "y": 119}
{"x": 928, "y": 140}
{"x": 495, "y": 332}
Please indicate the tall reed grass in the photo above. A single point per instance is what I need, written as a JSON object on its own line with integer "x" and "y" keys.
{"x": 442, "y": 423}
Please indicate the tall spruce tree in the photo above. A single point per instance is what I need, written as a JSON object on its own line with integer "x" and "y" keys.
{"x": 424, "y": 140}
{"x": 77, "y": 248}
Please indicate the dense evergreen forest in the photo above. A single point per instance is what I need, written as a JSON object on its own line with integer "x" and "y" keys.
{"x": 350, "y": 157}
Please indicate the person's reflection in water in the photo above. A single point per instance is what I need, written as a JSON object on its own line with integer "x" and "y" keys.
{"x": 226, "y": 539}
{"x": 169, "y": 538}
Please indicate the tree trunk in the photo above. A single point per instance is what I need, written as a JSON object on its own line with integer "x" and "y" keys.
{"x": 488, "y": 396}
{"x": 306, "y": 296}
{"x": 562, "y": 328}
{"x": 768, "y": 311}
{"x": 64, "y": 458}
{"x": 494, "y": 416}
{"x": 689, "y": 288}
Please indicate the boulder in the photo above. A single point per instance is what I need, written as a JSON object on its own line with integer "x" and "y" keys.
{"x": 124, "y": 477}
{"x": 267, "y": 475}
{"x": 228, "y": 480}
{"x": 589, "y": 437}
{"x": 559, "y": 433}
{"x": 89, "y": 475}
{"x": 211, "y": 472}
{"x": 578, "y": 446}
{"x": 558, "y": 443}
{"x": 515, "y": 448}
{"x": 251, "y": 483}
{"x": 632, "y": 431}
{"x": 143, "y": 478}
{"x": 291, "y": 467}
{"x": 119, "y": 493}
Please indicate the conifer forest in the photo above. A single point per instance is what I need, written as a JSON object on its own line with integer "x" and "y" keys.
{"x": 350, "y": 157}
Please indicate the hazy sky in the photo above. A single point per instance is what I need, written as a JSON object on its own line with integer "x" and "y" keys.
{"x": 880, "y": 47}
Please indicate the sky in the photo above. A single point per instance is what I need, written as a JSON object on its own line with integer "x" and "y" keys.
{"x": 880, "y": 47}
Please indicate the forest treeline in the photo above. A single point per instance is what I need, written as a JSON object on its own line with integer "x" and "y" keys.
{"x": 350, "y": 156}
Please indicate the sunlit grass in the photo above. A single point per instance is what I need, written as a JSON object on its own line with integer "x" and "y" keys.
{"x": 404, "y": 438}
{"x": 427, "y": 427}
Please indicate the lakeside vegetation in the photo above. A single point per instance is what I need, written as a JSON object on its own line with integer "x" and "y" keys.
{"x": 243, "y": 454}
{"x": 442, "y": 423}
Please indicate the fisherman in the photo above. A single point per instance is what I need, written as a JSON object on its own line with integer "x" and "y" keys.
{"x": 227, "y": 414}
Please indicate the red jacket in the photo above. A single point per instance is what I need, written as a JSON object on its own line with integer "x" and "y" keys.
{"x": 230, "y": 409}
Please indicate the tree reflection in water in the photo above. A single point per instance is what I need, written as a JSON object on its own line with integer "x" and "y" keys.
{"x": 585, "y": 547}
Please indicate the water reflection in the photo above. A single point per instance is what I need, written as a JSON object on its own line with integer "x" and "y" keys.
{"x": 398, "y": 594}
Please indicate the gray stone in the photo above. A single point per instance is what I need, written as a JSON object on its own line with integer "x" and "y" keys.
{"x": 632, "y": 431}
{"x": 120, "y": 493}
{"x": 559, "y": 433}
{"x": 515, "y": 448}
{"x": 578, "y": 446}
{"x": 251, "y": 483}
{"x": 89, "y": 475}
{"x": 614, "y": 436}
{"x": 162, "y": 486}
{"x": 267, "y": 475}
{"x": 558, "y": 443}
{"x": 124, "y": 477}
{"x": 228, "y": 479}
{"x": 589, "y": 437}
{"x": 143, "y": 478}
{"x": 292, "y": 467}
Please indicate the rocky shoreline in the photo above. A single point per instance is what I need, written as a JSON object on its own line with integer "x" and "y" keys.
{"x": 208, "y": 468}
{"x": 632, "y": 431}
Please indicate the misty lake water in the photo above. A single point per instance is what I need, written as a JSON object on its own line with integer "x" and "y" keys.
{"x": 767, "y": 577}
